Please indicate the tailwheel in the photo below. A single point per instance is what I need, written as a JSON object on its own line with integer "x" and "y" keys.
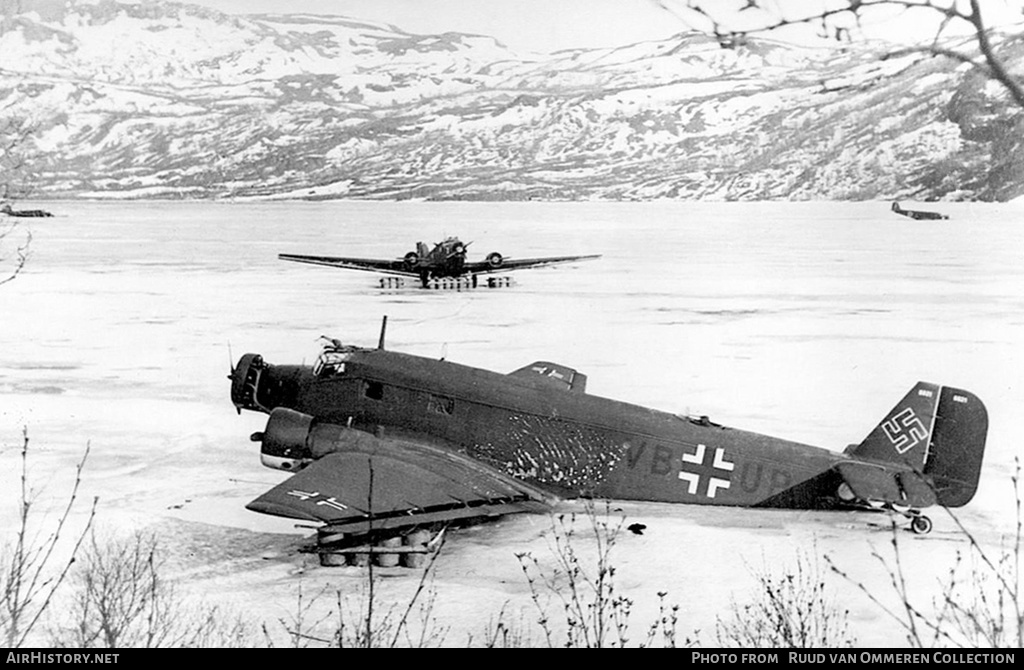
{"x": 920, "y": 524}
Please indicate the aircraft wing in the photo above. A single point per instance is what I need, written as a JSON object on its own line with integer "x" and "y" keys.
{"x": 398, "y": 484}
{"x": 394, "y": 267}
{"x": 507, "y": 264}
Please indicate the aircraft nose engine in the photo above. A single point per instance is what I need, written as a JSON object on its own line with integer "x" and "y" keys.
{"x": 285, "y": 441}
{"x": 245, "y": 379}
{"x": 259, "y": 386}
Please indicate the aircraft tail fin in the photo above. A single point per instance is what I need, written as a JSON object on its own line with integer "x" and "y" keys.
{"x": 937, "y": 430}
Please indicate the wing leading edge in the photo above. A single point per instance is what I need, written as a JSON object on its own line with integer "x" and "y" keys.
{"x": 394, "y": 484}
{"x": 506, "y": 264}
{"x": 397, "y": 266}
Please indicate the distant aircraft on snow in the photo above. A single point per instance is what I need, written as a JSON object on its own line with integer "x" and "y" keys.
{"x": 917, "y": 214}
{"x": 6, "y": 208}
{"x": 446, "y": 259}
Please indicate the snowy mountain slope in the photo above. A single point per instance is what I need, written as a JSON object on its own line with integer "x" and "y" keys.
{"x": 169, "y": 100}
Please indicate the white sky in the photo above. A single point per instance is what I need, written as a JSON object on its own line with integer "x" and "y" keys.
{"x": 549, "y": 25}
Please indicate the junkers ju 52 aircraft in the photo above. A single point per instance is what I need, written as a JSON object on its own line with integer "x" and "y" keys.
{"x": 438, "y": 267}
{"x": 918, "y": 214}
{"x": 383, "y": 443}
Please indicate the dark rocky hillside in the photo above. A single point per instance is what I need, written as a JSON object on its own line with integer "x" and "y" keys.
{"x": 171, "y": 101}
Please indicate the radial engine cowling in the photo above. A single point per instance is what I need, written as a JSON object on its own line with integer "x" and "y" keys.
{"x": 285, "y": 440}
{"x": 245, "y": 379}
{"x": 292, "y": 440}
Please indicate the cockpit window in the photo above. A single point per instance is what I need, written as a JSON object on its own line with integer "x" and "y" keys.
{"x": 330, "y": 363}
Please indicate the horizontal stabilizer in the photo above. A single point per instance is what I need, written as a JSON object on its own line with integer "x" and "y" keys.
{"x": 561, "y": 376}
{"x": 870, "y": 483}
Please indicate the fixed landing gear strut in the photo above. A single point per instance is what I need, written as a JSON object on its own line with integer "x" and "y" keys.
{"x": 919, "y": 523}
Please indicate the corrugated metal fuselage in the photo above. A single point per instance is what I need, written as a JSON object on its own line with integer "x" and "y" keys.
{"x": 567, "y": 442}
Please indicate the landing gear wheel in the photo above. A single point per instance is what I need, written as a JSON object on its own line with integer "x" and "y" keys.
{"x": 921, "y": 525}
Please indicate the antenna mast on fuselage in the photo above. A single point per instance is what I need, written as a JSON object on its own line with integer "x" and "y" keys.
{"x": 383, "y": 327}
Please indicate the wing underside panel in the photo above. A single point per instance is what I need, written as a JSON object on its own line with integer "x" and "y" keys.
{"x": 397, "y": 484}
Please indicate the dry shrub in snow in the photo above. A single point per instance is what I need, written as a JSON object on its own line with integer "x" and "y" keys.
{"x": 364, "y": 621}
{"x": 979, "y": 603}
{"x": 122, "y": 598}
{"x": 36, "y": 561}
{"x": 792, "y": 608}
{"x": 577, "y": 600}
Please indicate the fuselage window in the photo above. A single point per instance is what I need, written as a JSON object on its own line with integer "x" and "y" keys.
{"x": 373, "y": 390}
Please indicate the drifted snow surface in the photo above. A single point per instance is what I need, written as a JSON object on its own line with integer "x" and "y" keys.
{"x": 804, "y": 321}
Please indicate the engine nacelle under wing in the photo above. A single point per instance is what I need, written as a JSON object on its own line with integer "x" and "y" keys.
{"x": 285, "y": 441}
{"x": 292, "y": 440}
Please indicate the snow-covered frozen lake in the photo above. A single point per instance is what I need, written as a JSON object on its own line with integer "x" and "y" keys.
{"x": 806, "y": 321}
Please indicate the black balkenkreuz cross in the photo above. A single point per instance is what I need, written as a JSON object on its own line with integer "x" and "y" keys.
{"x": 709, "y": 465}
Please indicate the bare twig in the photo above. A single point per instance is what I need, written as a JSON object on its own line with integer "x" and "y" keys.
{"x": 979, "y": 602}
{"x": 31, "y": 571}
{"x": 124, "y": 599}
{"x": 948, "y": 13}
{"x": 595, "y": 614}
{"x": 792, "y": 609}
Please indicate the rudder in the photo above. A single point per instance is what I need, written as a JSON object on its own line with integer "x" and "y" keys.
{"x": 958, "y": 447}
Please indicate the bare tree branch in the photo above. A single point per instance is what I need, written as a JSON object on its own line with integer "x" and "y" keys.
{"x": 30, "y": 571}
{"x": 21, "y": 253}
{"x": 773, "y": 18}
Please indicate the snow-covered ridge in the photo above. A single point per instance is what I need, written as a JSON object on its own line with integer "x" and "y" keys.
{"x": 165, "y": 99}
